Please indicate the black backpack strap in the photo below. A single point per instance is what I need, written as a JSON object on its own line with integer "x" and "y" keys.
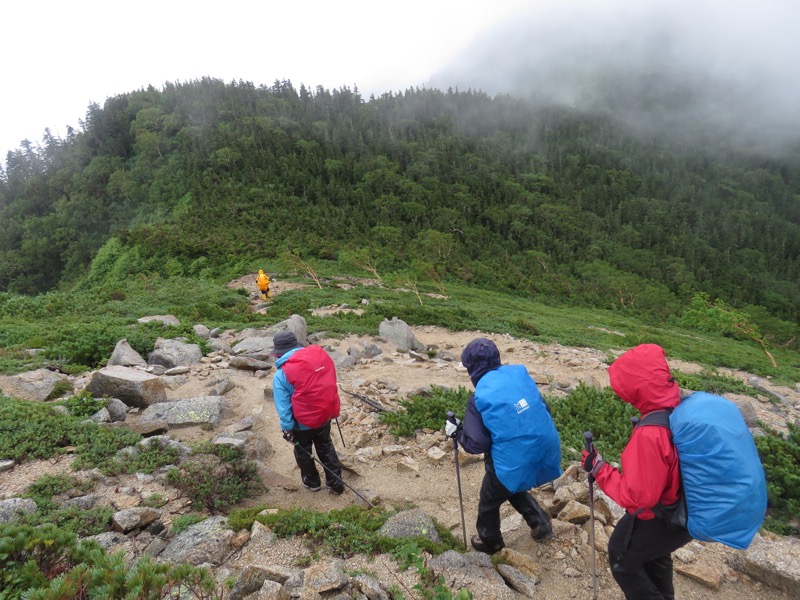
{"x": 657, "y": 417}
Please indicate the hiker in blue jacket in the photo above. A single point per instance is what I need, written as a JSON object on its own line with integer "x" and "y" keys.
{"x": 507, "y": 420}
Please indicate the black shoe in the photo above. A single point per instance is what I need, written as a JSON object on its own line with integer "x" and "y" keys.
{"x": 312, "y": 485}
{"x": 481, "y": 546}
{"x": 542, "y": 533}
{"x": 335, "y": 489}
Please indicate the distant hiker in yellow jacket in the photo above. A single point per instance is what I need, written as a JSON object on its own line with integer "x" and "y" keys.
{"x": 263, "y": 284}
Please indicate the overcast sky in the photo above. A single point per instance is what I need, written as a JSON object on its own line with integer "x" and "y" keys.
{"x": 60, "y": 55}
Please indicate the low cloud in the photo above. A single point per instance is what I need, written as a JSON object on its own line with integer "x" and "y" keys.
{"x": 653, "y": 63}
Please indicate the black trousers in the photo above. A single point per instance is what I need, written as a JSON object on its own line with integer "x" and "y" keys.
{"x": 643, "y": 566}
{"x": 320, "y": 439}
{"x": 493, "y": 494}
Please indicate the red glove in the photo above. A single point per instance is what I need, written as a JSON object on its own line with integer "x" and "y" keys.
{"x": 592, "y": 462}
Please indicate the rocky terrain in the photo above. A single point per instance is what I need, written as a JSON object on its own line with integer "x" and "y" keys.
{"x": 226, "y": 395}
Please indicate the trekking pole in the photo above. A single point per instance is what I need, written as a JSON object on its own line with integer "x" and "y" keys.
{"x": 340, "y": 432}
{"x": 589, "y": 448}
{"x": 342, "y": 481}
{"x": 451, "y": 416}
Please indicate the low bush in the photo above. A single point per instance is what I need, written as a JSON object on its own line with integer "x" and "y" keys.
{"x": 426, "y": 412}
{"x": 780, "y": 455}
{"x": 47, "y": 562}
{"x": 217, "y": 483}
{"x": 342, "y": 532}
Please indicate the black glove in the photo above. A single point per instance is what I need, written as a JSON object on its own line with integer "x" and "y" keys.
{"x": 288, "y": 435}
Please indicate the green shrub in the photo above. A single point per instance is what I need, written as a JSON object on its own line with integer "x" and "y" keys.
{"x": 32, "y": 430}
{"x": 426, "y": 412}
{"x": 215, "y": 484}
{"x": 83, "y": 404}
{"x": 147, "y": 458}
{"x": 345, "y": 532}
{"x": 46, "y": 563}
{"x": 780, "y": 455}
{"x": 61, "y": 387}
{"x": 588, "y": 409}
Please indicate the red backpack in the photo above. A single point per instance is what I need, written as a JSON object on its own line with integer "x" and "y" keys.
{"x": 316, "y": 396}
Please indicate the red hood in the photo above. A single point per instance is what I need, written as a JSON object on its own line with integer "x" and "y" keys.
{"x": 641, "y": 378}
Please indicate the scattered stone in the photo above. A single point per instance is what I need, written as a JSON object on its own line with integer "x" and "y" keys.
{"x": 166, "y": 320}
{"x": 708, "y": 576}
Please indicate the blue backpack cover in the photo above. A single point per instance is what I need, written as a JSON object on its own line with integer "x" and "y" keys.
{"x": 723, "y": 479}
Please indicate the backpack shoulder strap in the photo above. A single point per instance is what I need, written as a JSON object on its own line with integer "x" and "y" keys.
{"x": 659, "y": 418}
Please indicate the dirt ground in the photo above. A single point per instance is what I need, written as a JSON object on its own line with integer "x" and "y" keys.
{"x": 564, "y": 561}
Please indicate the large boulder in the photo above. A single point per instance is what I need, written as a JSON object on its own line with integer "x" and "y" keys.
{"x": 775, "y": 563}
{"x": 125, "y": 356}
{"x": 134, "y": 387}
{"x": 398, "y": 333}
{"x": 39, "y": 384}
{"x": 192, "y": 411}
{"x": 174, "y": 353}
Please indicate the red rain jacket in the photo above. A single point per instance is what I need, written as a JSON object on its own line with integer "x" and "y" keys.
{"x": 650, "y": 472}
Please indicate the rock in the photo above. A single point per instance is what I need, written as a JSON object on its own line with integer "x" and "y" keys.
{"x": 523, "y": 562}
{"x": 325, "y": 576}
{"x": 249, "y": 582}
{"x": 246, "y": 363}
{"x": 166, "y": 320}
{"x": 125, "y": 356}
{"x": 296, "y": 324}
{"x": 473, "y": 571}
{"x": 171, "y": 353}
{"x": 192, "y": 411}
{"x": 117, "y": 409}
{"x": 370, "y": 587}
{"x": 222, "y": 387}
{"x": 201, "y": 331}
{"x": 134, "y": 518}
{"x": 6, "y": 465}
{"x": 398, "y": 333}
{"x": 132, "y": 386}
{"x": 518, "y": 580}
{"x": 776, "y": 563}
{"x": 708, "y": 576}
{"x": 39, "y": 384}
{"x": 410, "y": 523}
{"x": 209, "y": 541}
{"x": 11, "y": 509}
{"x": 574, "y": 512}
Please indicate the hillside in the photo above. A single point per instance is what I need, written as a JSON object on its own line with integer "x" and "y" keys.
{"x": 566, "y": 205}
{"x": 400, "y": 471}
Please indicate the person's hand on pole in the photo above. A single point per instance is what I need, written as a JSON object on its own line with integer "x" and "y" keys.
{"x": 592, "y": 461}
{"x": 288, "y": 435}
{"x": 452, "y": 426}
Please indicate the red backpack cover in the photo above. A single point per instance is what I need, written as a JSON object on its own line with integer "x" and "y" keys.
{"x": 316, "y": 396}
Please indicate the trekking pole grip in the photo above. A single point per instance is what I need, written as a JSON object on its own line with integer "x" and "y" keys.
{"x": 588, "y": 437}
{"x": 451, "y": 416}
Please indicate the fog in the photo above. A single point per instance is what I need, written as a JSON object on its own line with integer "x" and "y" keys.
{"x": 653, "y": 63}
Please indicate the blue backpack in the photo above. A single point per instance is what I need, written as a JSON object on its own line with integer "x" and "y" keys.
{"x": 724, "y": 487}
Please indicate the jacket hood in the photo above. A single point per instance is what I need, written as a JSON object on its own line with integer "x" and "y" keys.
{"x": 479, "y": 357}
{"x": 641, "y": 377}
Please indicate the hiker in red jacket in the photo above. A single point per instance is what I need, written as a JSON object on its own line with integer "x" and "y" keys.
{"x": 306, "y": 399}
{"x": 639, "y": 550}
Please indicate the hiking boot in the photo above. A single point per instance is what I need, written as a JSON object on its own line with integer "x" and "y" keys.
{"x": 314, "y": 486}
{"x": 481, "y": 546}
{"x": 542, "y": 533}
{"x": 335, "y": 489}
